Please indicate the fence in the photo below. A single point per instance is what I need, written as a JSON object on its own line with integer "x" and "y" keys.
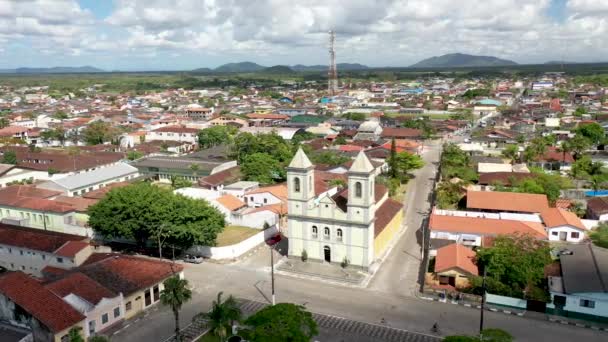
{"x": 506, "y": 301}
{"x": 236, "y": 250}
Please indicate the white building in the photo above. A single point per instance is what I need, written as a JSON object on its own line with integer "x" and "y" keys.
{"x": 330, "y": 224}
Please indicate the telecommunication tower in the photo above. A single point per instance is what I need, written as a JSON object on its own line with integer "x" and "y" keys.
{"x": 332, "y": 83}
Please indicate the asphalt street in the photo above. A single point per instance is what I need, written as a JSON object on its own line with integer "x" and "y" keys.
{"x": 388, "y": 300}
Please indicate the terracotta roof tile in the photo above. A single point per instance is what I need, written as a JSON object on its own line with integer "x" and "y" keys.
{"x": 71, "y": 248}
{"x": 39, "y": 302}
{"x": 278, "y": 190}
{"x": 507, "y": 201}
{"x": 35, "y": 239}
{"x": 483, "y": 226}
{"x": 456, "y": 256}
{"x": 385, "y": 214}
{"x": 267, "y": 116}
{"x": 227, "y": 176}
{"x": 554, "y": 217}
{"x": 230, "y": 202}
{"x": 389, "y": 132}
{"x": 82, "y": 286}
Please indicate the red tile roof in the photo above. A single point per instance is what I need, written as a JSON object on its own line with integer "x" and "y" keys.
{"x": 456, "y": 256}
{"x": 71, "y": 248}
{"x": 385, "y": 214}
{"x": 389, "y": 132}
{"x": 553, "y": 154}
{"x": 39, "y": 302}
{"x": 555, "y": 217}
{"x": 127, "y": 274}
{"x": 82, "y": 286}
{"x": 176, "y": 129}
{"x": 36, "y": 239}
{"x": 230, "y": 175}
{"x": 267, "y": 116}
{"x": 507, "y": 201}
{"x": 484, "y": 226}
{"x": 230, "y": 202}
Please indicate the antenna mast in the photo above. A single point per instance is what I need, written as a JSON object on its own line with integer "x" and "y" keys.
{"x": 332, "y": 79}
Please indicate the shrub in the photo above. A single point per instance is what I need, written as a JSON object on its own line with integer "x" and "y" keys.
{"x": 304, "y": 255}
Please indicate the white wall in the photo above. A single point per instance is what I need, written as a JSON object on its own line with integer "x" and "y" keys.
{"x": 507, "y": 301}
{"x": 236, "y": 250}
{"x": 257, "y": 200}
{"x": 573, "y": 303}
{"x": 555, "y": 232}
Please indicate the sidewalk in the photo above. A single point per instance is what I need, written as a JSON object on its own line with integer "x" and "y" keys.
{"x": 315, "y": 270}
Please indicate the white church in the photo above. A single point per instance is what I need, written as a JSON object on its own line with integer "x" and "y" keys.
{"x": 331, "y": 224}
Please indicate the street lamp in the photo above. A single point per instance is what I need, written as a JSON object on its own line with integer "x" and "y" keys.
{"x": 483, "y": 302}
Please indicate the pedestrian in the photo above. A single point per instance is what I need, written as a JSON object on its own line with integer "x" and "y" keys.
{"x": 435, "y": 328}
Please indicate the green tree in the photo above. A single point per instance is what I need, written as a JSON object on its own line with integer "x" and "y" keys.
{"x": 222, "y": 316}
{"x": 216, "y": 135}
{"x": 449, "y": 194}
{"x": 60, "y": 115}
{"x": 4, "y": 122}
{"x": 406, "y": 162}
{"x": 392, "y": 160}
{"x": 178, "y": 182}
{"x": 330, "y": 158}
{"x": 9, "y": 157}
{"x": 54, "y": 134}
{"x": 599, "y": 235}
{"x": 511, "y": 152}
{"x": 263, "y": 168}
{"x": 594, "y": 132}
{"x": 133, "y": 155}
{"x": 246, "y": 144}
{"x": 75, "y": 335}
{"x": 137, "y": 212}
{"x": 282, "y": 322}
{"x": 175, "y": 294}
{"x": 99, "y": 132}
{"x": 340, "y": 140}
{"x": 580, "y": 111}
{"x": 515, "y": 267}
{"x": 565, "y": 147}
{"x": 98, "y": 338}
{"x": 579, "y": 144}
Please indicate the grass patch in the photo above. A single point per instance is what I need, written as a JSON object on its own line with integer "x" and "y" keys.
{"x": 234, "y": 234}
{"x": 209, "y": 337}
{"x": 399, "y": 195}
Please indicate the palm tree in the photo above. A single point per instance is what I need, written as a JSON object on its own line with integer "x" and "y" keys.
{"x": 175, "y": 294}
{"x": 222, "y": 315}
{"x": 194, "y": 168}
{"x": 565, "y": 147}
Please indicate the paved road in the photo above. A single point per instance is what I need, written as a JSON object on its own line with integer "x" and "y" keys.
{"x": 388, "y": 300}
{"x": 399, "y": 272}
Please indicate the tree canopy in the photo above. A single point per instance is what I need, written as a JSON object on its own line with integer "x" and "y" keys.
{"x": 216, "y": 135}
{"x": 263, "y": 168}
{"x": 99, "y": 132}
{"x": 9, "y": 157}
{"x": 263, "y": 157}
{"x": 594, "y": 132}
{"x": 328, "y": 158}
{"x": 515, "y": 267}
{"x": 282, "y": 322}
{"x": 599, "y": 235}
{"x": 175, "y": 294}
{"x": 139, "y": 211}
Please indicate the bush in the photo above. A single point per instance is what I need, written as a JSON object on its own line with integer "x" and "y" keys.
{"x": 344, "y": 263}
{"x": 304, "y": 255}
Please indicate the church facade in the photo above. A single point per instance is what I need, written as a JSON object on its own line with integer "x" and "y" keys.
{"x": 352, "y": 223}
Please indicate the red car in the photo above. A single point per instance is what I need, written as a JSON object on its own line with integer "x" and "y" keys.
{"x": 274, "y": 240}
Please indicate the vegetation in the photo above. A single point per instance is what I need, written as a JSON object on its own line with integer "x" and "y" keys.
{"x": 487, "y": 335}
{"x": 511, "y": 152}
{"x": 354, "y": 116}
{"x": 263, "y": 157}
{"x": 599, "y": 235}
{"x": 328, "y": 158}
{"x": 263, "y": 168}
{"x": 456, "y": 163}
{"x": 422, "y": 124}
{"x": 134, "y": 155}
{"x": 175, "y": 294}
{"x": 515, "y": 267}
{"x": 478, "y": 92}
{"x": 139, "y": 211}
{"x": 75, "y": 334}
{"x": 9, "y": 157}
{"x": 593, "y": 132}
{"x": 178, "y": 182}
{"x": 216, "y": 135}
{"x": 54, "y": 134}
{"x": 281, "y": 322}
{"x": 234, "y": 234}
{"x": 99, "y": 132}
{"x": 542, "y": 183}
{"x": 222, "y": 316}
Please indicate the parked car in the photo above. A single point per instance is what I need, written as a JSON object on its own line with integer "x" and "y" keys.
{"x": 274, "y": 240}
{"x": 193, "y": 259}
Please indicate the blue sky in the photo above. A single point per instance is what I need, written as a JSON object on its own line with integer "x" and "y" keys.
{"x": 188, "y": 34}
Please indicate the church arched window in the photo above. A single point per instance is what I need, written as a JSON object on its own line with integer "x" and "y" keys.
{"x": 296, "y": 184}
{"x": 358, "y": 189}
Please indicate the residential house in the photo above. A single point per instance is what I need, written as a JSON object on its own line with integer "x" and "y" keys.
{"x": 597, "y": 208}
{"x": 553, "y": 159}
{"x": 369, "y": 130}
{"x": 218, "y": 180}
{"x": 495, "y": 201}
{"x": 563, "y": 225}
{"x": 229, "y": 120}
{"x": 401, "y": 133}
{"x": 84, "y": 182}
{"x": 30, "y": 250}
{"x": 188, "y": 167}
{"x": 454, "y": 266}
{"x": 274, "y": 194}
{"x": 199, "y": 113}
{"x": 581, "y": 289}
{"x": 25, "y": 302}
{"x": 175, "y": 133}
{"x": 267, "y": 120}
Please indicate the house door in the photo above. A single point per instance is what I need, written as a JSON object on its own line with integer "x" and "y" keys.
{"x": 563, "y": 236}
{"x": 327, "y": 253}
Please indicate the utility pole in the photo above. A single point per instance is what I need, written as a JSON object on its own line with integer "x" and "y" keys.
{"x": 272, "y": 272}
{"x": 483, "y": 302}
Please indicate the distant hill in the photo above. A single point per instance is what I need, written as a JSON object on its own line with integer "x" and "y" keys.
{"x": 461, "y": 60}
{"x": 239, "y": 67}
{"x": 202, "y": 70}
{"x": 57, "y": 70}
{"x": 277, "y": 69}
{"x": 340, "y": 66}
{"x": 560, "y": 62}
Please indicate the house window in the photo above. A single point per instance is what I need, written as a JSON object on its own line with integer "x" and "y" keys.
{"x": 156, "y": 293}
{"x": 314, "y": 232}
{"x": 296, "y": 184}
{"x": 65, "y": 338}
{"x": 60, "y": 260}
{"x": 554, "y": 233}
{"x": 128, "y": 306}
{"x": 21, "y": 252}
{"x": 116, "y": 312}
{"x": 326, "y": 233}
{"x": 265, "y": 200}
{"x": 104, "y": 318}
{"x": 574, "y": 235}
{"x": 339, "y": 234}
{"x": 91, "y": 327}
{"x": 587, "y": 303}
{"x": 43, "y": 257}
{"x": 358, "y": 190}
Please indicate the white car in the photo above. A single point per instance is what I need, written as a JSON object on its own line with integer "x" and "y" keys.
{"x": 193, "y": 259}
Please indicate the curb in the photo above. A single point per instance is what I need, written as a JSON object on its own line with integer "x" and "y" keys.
{"x": 520, "y": 314}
